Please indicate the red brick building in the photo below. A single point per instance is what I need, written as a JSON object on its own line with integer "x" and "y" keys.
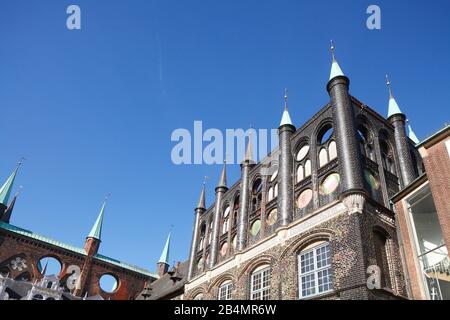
{"x": 23, "y": 252}
{"x": 423, "y": 215}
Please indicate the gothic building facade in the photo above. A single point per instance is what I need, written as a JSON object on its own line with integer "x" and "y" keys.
{"x": 313, "y": 220}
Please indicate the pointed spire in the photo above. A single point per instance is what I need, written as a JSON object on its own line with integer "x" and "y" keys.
{"x": 223, "y": 176}
{"x": 286, "y": 119}
{"x": 96, "y": 231}
{"x": 8, "y": 212}
{"x": 336, "y": 70}
{"x": 5, "y": 190}
{"x": 412, "y": 134}
{"x": 393, "y": 106}
{"x": 201, "y": 201}
{"x": 44, "y": 271}
{"x": 165, "y": 253}
{"x": 249, "y": 151}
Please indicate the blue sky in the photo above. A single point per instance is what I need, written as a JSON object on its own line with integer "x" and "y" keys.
{"x": 93, "y": 110}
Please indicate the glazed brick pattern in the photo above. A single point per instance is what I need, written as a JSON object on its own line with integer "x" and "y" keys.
{"x": 352, "y": 250}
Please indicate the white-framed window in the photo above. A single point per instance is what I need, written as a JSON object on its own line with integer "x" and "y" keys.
{"x": 315, "y": 273}
{"x": 270, "y": 197}
{"x": 225, "y": 290}
{"x": 260, "y": 284}
{"x": 226, "y": 220}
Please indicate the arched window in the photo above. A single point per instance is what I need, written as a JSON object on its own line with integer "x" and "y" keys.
{"x": 201, "y": 241}
{"x": 210, "y": 231}
{"x": 225, "y": 290}
{"x": 260, "y": 283}
{"x": 387, "y": 157}
{"x": 365, "y": 141}
{"x": 323, "y": 157}
{"x": 256, "y": 195}
{"x": 332, "y": 150}
{"x": 315, "y": 274}
{"x": 270, "y": 194}
{"x": 199, "y": 296}
{"x": 381, "y": 243}
{"x": 307, "y": 168}
{"x": 226, "y": 220}
{"x": 236, "y": 210}
{"x": 325, "y": 134}
{"x": 304, "y": 162}
{"x": 300, "y": 173}
{"x": 327, "y": 146}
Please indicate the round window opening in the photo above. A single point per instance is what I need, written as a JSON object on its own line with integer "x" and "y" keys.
{"x": 303, "y": 153}
{"x": 256, "y": 227}
{"x": 224, "y": 249}
{"x": 325, "y": 134}
{"x": 109, "y": 283}
{"x": 330, "y": 184}
{"x": 304, "y": 198}
{"x": 272, "y": 217}
{"x": 49, "y": 266}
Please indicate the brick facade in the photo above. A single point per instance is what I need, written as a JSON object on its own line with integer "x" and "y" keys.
{"x": 31, "y": 251}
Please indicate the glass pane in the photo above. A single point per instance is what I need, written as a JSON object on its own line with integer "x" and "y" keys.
{"x": 428, "y": 229}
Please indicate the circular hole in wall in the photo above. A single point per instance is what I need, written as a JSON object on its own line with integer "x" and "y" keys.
{"x": 108, "y": 283}
{"x": 49, "y": 266}
{"x": 325, "y": 134}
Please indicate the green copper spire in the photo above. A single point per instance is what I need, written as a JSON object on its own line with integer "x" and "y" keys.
{"x": 201, "y": 201}
{"x": 5, "y": 190}
{"x": 165, "y": 254}
{"x": 412, "y": 135}
{"x": 286, "y": 119}
{"x": 96, "y": 231}
{"x": 336, "y": 70}
{"x": 393, "y": 106}
{"x": 223, "y": 176}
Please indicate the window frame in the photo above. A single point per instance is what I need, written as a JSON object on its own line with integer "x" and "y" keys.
{"x": 315, "y": 271}
{"x": 263, "y": 291}
{"x": 225, "y": 291}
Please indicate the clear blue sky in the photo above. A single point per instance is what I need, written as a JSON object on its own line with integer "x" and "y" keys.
{"x": 93, "y": 110}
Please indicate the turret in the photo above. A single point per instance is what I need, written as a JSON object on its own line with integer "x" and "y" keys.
{"x": 93, "y": 240}
{"x": 398, "y": 121}
{"x": 345, "y": 130}
{"x": 199, "y": 210}
{"x": 286, "y": 167}
{"x": 244, "y": 199}
{"x": 220, "y": 191}
{"x": 163, "y": 262}
{"x": 5, "y": 193}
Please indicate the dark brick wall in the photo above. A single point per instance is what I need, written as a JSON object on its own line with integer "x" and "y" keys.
{"x": 352, "y": 250}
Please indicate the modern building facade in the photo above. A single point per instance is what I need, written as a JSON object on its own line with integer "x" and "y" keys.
{"x": 313, "y": 220}
{"x": 423, "y": 211}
